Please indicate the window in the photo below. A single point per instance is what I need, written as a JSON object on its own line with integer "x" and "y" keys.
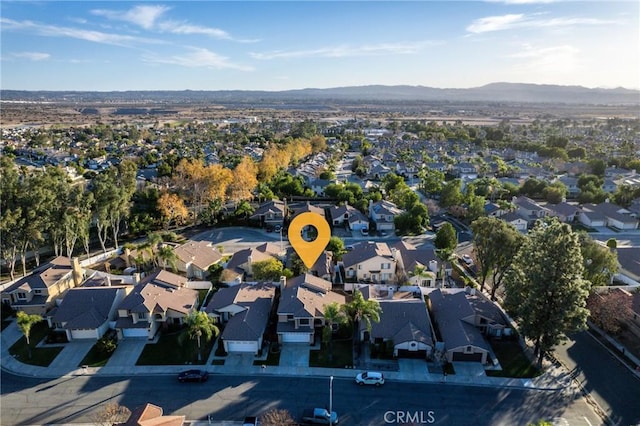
{"x": 303, "y": 321}
{"x": 290, "y": 317}
{"x": 21, "y": 296}
{"x": 359, "y": 267}
{"x": 385, "y": 266}
{"x": 38, "y": 291}
{"x": 468, "y": 349}
{"x": 142, "y": 315}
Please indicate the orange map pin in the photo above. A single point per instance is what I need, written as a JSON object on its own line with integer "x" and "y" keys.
{"x": 309, "y": 251}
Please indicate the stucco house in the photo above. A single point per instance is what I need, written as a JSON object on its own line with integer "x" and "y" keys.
{"x": 270, "y": 213}
{"x": 245, "y": 310}
{"x": 607, "y": 214}
{"x": 240, "y": 266}
{"x": 370, "y": 262}
{"x": 195, "y": 258}
{"x": 85, "y": 312}
{"x": 301, "y": 309}
{"x": 154, "y": 303}
{"x": 349, "y": 216}
{"x": 382, "y": 214}
{"x": 37, "y": 292}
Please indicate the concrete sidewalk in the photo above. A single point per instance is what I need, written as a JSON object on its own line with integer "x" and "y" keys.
{"x": 553, "y": 378}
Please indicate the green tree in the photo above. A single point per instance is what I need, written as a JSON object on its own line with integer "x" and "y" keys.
{"x": 25, "y": 323}
{"x": 445, "y": 242}
{"x": 545, "y": 291}
{"x": 336, "y": 246}
{"x": 495, "y": 242}
{"x": 413, "y": 222}
{"x": 431, "y": 181}
{"x": 333, "y": 316}
{"x": 167, "y": 257}
{"x": 600, "y": 263}
{"x": 267, "y": 270}
{"x": 199, "y": 325}
{"x": 360, "y": 311}
{"x": 451, "y": 194}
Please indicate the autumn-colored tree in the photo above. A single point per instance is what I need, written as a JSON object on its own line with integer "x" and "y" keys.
{"x": 608, "y": 310}
{"x": 244, "y": 181}
{"x": 111, "y": 413}
{"x": 172, "y": 209}
{"x": 277, "y": 417}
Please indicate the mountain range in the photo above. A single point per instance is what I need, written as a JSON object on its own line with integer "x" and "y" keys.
{"x": 494, "y": 92}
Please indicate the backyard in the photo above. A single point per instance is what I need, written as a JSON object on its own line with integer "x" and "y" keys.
{"x": 39, "y": 356}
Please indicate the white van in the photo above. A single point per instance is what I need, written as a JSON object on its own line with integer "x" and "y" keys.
{"x": 370, "y": 378}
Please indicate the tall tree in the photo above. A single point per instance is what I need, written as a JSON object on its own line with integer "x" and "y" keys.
{"x": 25, "y": 323}
{"x": 333, "y": 316}
{"x": 167, "y": 257}
{"x": 360, "y": 311}
{"x": 199, "y": 325}
{"x": 172, "y": 209}
{"x": 451, "y": 195}
{"x": 600, "y": 263}
{"x": 545, "y": 291}
{"x": 495, "y": 243}
{"x": 445, "y": 242}
{"x": 244, "y": 181}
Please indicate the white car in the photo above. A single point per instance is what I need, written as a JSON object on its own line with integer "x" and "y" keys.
{"x": 467, "y": 259}
{"x": 370, "y": 378}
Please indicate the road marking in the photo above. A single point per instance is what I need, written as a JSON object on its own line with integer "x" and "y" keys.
{"x": 587, "y": 420}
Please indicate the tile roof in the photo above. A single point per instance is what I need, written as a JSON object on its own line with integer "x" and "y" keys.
{"x": 44, "y": 276}
{"x": 157, "y": 298}
{"x": 304, "y": 298}
{"x": 364, "y": 251}
{"x": 403, "y": 320}
{"x": 86, "y": 308}
{"x": 250, "y": 323}
{"x": 201, "y": 253}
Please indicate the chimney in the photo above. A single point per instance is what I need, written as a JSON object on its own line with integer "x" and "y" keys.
{"x": 249, "y": 269}
{"x": 394, "y": 253}
{"x": 77, "y": 271}
{"x": 136, "y": 278}
{"x": 283, "y": 282}
{"x": 433, "y": 266}
{"x": 127, "y": 257}
{"x": 108, "y": 280}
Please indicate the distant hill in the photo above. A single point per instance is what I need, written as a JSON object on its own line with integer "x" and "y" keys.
{"x": 494, "y": 92}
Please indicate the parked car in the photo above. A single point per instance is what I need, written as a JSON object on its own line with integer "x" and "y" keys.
{"x": 319, "y": 416}
{"x": 467, "y": 259}
{"x": 278, "y": 228}
{"x": 193, "y": 376}
{"x": 383, "y": 233}
{"x": 370, "y": 378}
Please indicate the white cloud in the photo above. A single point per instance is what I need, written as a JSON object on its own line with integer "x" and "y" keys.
{"x": 34, "y": 56}
{"x": 348, "y": 51}
{"x": 511, "y": 21}
{"x": 197, "y": 58}
{"x": 87, "y": 35}
{"x": 143, "y": 16}
{"x": 547, "y": 63}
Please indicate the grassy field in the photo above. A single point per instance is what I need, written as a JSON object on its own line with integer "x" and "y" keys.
{"x": 169, "y": 351}
{"x": 342, "y": 355}
{"x": 39, "y": 356}
{"x": 513, "y": 360}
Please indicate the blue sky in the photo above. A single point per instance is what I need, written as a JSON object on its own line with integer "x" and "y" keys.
{"x": 266, "y": 45}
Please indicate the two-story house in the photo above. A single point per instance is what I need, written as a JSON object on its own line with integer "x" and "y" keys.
{"x": 270, "y": 213}
{"x": 195, "y": 258}
{"x": 382, "y": 214}
{"x": 157, "y": 301}
{"x": 370, "y": 262}
{"x": 529, "y": 210}
{"x": 37, "y": 292}
{"x": 349, "y": 216}
{"x": 301, "y": 309}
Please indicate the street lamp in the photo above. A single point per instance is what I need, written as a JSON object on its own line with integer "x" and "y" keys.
{"x": 330, "y": 399}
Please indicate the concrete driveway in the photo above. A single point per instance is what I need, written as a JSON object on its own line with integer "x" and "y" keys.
{"x": 295, "y": 355}
{"x": 127, "y": 352}
{"x": 71, "y": 356}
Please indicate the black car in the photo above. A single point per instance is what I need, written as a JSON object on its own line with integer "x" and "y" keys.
{"x": 193, "y": 376}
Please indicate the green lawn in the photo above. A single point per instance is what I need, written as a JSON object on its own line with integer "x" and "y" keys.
{"x": 169, "y": 351}
{"x": 513, "y": 360}
{"x": 39, "y": 356}
{"x": 95, "y": 358}
{"x": 342, "y": 355}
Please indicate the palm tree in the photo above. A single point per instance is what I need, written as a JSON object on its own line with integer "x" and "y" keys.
{"x": 333, "y": 315}
{"x": 25, "y": 322}
{"x": 199, "y": 324}
{"x": 361, "y": 310}
{"x": 168, "y": 257}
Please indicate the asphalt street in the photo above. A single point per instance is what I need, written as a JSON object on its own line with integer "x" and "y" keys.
{"x": 28, "y": 401}
{"x": 610, "y": 384}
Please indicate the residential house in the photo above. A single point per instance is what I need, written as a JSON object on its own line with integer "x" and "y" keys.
{"x": 37, "y": 292}
{"x": 493, "y": 209}
{"x": 370, "y": 262}
{"x": 270, "y": 213}
{"x": 301, "y": 309}
{"x": 323, "y": 267}
{"x": 245, "y": 310}
{"x": 318, "y": 185}
{"x": 85, "y": 312}
{"x": 240, "y": 267}
{"x": 405, "y": 323}
{"x": 455, "y": 318}
{"x": 152, "y": 415}
{"x": 629, "y": 265}
{"x": 159, "y": 300}
{"x": 564, "y": 211}
{"x": 305, "y": 208}
{"x": 465, "y": 170}
{"x": 196, "y": 257}
{"x": 572, "y": 185}
{"x": 607, "y": 214}
{"x": 529, "y": 209}
{"x": 346, "y": 215}
{"x": 382, "y": 214}
{"x": 421, "y": 266}
{"x": 516, "y": 220}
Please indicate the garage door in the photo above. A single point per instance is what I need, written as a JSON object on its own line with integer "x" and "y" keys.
{"x": 135, "y": 332}
{"x": 296, "y": 337}
{"x": 241, "y": 346}
{"x": 404, "y": 353}
{"x": 84, "y": 334}
{"x": 467, "y": 357}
